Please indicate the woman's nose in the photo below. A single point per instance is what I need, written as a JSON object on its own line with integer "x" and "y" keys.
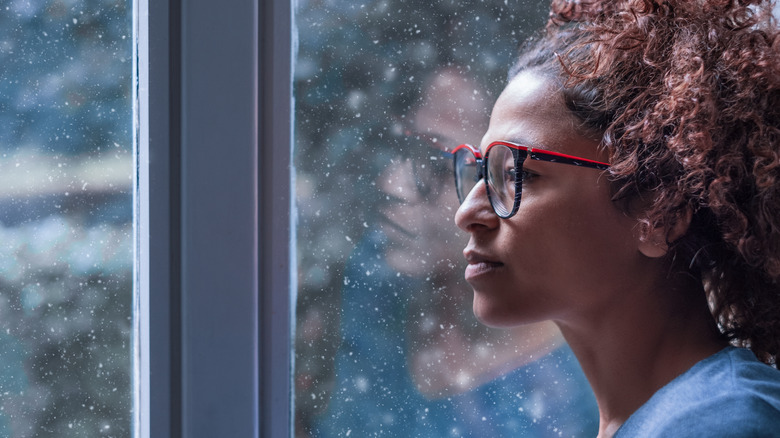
{"x": 476, "y": 213}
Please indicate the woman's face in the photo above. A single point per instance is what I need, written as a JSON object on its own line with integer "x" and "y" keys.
{"x": 569, "y": 251}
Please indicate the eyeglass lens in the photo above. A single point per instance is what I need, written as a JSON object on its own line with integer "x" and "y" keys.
{"x": 501, "y": 176}
{"x": 466, "y": 173}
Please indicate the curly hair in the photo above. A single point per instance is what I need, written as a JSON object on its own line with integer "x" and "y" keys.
{"x": 686, "y": 97}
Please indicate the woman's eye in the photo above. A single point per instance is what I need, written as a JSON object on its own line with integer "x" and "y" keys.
{"x": 510, "y": 174}
{"x": 527, "y": 176}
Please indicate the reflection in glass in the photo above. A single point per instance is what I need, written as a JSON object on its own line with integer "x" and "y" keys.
{"x": 65, "y": 218}
{"x": 387, "y": 344}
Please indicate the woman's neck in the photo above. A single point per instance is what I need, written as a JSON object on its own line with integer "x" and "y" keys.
{"x": 639, "y": 344}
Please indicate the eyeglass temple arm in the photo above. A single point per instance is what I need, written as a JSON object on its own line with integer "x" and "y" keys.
{"x": 555, "y": 157}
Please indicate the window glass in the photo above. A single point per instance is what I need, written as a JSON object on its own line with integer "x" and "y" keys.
{"x": 66, "y": 212}
{"x": 386, "y": 343}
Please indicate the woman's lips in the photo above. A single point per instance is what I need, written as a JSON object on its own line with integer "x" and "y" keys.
{"x": 479, "y": 265}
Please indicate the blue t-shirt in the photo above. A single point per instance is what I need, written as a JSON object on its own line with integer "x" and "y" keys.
{"x": 729, "y": 394}
{"x": 374, "y": 395}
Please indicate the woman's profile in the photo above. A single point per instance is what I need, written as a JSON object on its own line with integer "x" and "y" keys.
{"x": 628, "y": 189}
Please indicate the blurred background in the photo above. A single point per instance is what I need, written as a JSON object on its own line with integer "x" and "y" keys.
{"x": 386, "y": 343}
{"x": 66, "y": 211}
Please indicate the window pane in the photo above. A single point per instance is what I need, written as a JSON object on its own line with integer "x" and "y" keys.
{"x": 66, "y": 214}
{"x": 386, "y": 340}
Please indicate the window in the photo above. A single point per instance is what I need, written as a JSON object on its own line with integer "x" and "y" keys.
{"x": 201, "y": 346}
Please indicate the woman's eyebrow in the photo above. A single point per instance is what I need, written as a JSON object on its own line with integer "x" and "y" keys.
{"x": 522, "y": 137}
{"x": 531, "y": 144}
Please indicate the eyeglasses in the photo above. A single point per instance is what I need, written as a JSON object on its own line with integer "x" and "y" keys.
{"x": 502, "y": 170}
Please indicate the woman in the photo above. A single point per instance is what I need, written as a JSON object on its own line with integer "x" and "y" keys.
{"x": 656, "y": 250}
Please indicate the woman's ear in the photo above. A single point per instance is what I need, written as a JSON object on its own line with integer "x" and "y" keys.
{"x": 656, "y": 243}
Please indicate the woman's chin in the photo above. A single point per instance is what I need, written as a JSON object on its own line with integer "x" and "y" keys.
{"x": 492, "y": 316}
{"x": 500, "y": 315}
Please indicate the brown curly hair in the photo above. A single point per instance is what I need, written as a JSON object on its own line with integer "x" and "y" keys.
{"x": 686, "y": 96}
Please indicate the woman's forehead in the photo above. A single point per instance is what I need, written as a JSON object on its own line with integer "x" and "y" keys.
{"x": 530, "y": 111}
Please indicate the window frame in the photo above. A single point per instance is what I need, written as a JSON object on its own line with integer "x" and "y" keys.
{"x": 214, "y": 211}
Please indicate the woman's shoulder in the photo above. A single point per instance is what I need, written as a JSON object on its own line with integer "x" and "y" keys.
{"x": 746, "y": 369}
{"x": 730, "y": 394}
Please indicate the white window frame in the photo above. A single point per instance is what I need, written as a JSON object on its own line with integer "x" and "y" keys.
{"x": 214, "y": 233}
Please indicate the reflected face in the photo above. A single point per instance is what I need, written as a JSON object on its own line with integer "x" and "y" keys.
{"x": 569, "y": 250}
{"x": 418, "y": 219}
